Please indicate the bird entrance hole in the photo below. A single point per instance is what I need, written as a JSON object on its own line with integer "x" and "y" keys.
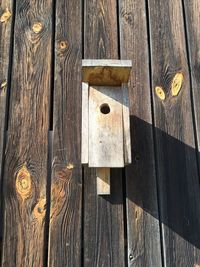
{"x": 105, "y": 109}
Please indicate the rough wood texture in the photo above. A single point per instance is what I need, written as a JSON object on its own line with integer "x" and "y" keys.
{"x": 141, "y": 196}
{"x": 66, "y": 188}
{"x": 100, "y": 29}
{"x": 105, "y": 130}
{"x": 103, "y": 181}
{"x": 85, "y": 124}
{"x": 6, "y": 7}
{"x": 25, "y": 174}
{"x": 192, "y": 9}
{"x": 106, "y": 72}
{"x": 175, "y": 146}
{"x": 5, "y": 38}
{"x": 103, "y": 216}
{"x": 126, "y": 125}
{"x": 94, "y": 233}
{"x": 110, "y": 63}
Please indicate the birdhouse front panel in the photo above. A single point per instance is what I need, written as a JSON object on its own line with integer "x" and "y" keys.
{"x": 105, "y": 127}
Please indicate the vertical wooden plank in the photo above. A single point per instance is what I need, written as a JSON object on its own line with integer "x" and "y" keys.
{"x": 85, "y": 123}
{"x": 66, "y": 189}
{"x": 6, "y": 10}
{"x": 141, "y": 195}
{"x": 103, "y": 216}
{"x": 192, "y": 16}
{"x": 175, "y": 145}
{"x": 25, "y": 174}
{"x": 6, "y": 19}
{"x": 126, "y": 125}
{"x": 192, "y": 9}
{"x": 100, "y": 30}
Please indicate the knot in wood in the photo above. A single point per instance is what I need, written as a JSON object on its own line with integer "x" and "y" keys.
{"x": 3, "y": 85}
{"x": 63, "y": 45}
{"x": 130, "y": 257}
{"x": 5, "y": 16}
{"x": 70, "y": 166}
{"x": 37, "y": 27}
{"x": 160, "y": 92}
{"x": 40, "y": 209}
{"x": 24, "y": 183}
{"x": 128, "y": 18}
{"x": 177, "y": 83}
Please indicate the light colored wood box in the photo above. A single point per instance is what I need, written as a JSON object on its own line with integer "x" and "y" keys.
{"x": 105, "y": 118}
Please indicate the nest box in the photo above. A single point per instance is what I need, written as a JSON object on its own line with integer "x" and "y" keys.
{"x": 105, "y": 118}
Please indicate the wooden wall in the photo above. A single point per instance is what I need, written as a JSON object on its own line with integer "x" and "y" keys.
{"x": 50, "y": 212}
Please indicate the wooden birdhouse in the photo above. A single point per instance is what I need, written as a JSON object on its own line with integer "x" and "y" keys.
{"x": 105, "y": 118}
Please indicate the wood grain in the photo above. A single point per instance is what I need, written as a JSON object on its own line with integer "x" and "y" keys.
{"x": 106, "y": 72}
{"x": 88, "y": 229}
{"x": 126, "y": 125}
{"x": 141, "y": 196}
{"x": 100, "y": 29}
{"x": 6, "y": 7}
{"x": 103, "y": 216}
{"x": 110, "y": 63}
{"x": 105, "y": 130}
{"x": 175, "y": 145}
{"x": 85, "y": 123}
{"x": 25, "y": 175}
{"x": 66, "y": 189}
{"x": 192, "y": 9}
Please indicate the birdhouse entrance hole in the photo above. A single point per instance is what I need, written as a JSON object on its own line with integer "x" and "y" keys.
{"x": 105, "y": 109}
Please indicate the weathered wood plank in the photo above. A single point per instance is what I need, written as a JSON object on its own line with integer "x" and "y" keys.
{"x": 126, "y": 125}
{"x": 25, "y": 172}
{"x": 110, "y": 63}
{"x": 141, "y": 197}
{"x": 6, "y": 18}
{"x": 106, "y": 72}
{"x": 66, "y": 189}
{"x": 105, "y": 127}
{"x": 177, "y": 170}
{"x": 85, "y": 123}
{"x": 192, "y": 9}
{"x": 103, "y": 216}
{"x": 100, "y": 30}
{"x": 103, "y": 222}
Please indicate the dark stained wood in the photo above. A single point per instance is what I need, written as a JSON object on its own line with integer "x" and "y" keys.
{"x": 66, "y": 188}
{"x": 103, "y": 216}
{"x": 192, "y": 9}
{"x": 100, "y": 29}
{"x": 163, "y": 181}
{"x": 143, "y": 229}
{"x": 103, "y": 222}
{"x": 5, "y": 37}
{"x": 25, "y": 175}
{"x": 6, "y": 7}
{"x": 175, "y": 145}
